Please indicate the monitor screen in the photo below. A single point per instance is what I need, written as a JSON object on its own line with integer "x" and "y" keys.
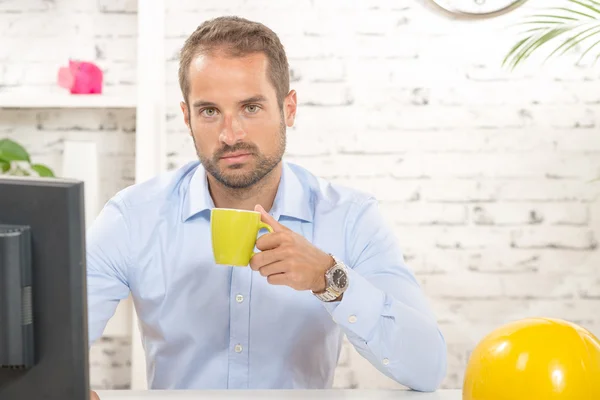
{"x": 43, "y": 307}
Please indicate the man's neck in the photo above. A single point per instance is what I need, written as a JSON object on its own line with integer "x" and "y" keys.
{"x": 262, "y": 193}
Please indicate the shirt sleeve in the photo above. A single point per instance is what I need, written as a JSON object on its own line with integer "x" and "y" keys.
{"x": 384, "y": 312}
{"x": 108, "y": 255}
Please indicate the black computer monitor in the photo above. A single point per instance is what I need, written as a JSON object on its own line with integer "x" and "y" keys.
{"x": 43, "y": 304}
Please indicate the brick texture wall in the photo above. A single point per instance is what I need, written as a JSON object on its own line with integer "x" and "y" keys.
{"x": 484, "y": 173}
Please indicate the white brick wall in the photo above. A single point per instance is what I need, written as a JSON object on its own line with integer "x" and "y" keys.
{"x": 483, "y": 172}
{"x": 44, "y": 131}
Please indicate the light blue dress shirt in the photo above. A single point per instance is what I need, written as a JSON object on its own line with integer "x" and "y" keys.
{"x": 207, "y": 326}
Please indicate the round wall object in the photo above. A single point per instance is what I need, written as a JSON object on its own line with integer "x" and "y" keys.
{"x": 478, "y": 8}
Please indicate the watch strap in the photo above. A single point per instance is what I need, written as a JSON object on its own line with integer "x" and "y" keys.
{"x": 328, "y": 295}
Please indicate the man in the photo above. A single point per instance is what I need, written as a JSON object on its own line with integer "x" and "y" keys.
{"x": 331, "y": 267}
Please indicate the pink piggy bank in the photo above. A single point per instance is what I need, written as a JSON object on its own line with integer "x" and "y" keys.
{"x": 81, "y": 77}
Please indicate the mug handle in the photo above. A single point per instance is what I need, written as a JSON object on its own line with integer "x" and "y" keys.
{"x": 262, "y": 225}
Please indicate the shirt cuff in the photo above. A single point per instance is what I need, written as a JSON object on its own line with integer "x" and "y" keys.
{"x": 360, "y": 308}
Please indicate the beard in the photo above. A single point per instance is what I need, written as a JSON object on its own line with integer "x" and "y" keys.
{"x": 235, "y": 176}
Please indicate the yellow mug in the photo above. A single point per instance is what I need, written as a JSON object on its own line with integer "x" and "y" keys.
{"x": 234, "y": 234}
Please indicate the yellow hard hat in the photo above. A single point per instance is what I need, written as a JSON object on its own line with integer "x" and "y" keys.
{"x": 534, "y": 359}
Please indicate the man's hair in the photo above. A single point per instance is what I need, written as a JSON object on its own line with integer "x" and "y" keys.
{"x": 237, "y": 37}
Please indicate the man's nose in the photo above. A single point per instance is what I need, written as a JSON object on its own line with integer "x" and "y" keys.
{"x": 232, "y": 131}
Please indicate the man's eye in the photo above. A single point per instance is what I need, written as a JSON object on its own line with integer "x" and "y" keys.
{"x": 209, "y": 112}
{"x": 252, "y": 108}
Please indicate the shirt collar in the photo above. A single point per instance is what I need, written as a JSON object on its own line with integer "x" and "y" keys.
{"x": 197, "y": 198}
{"x": 292, "y": 199}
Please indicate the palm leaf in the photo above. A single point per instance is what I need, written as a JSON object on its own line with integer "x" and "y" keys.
{"x": 589, "y": 49}
{"x": 589, "y": 4}
{"x": 566, "y": 27}
{"x": 526, "y": 47}
{"x": 561, "y": 17}
{"x": 575, "y": 40}
{"x": 571, "y": 11}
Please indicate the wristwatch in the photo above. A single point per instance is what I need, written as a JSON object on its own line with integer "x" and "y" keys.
{"x": 336, "y": 279}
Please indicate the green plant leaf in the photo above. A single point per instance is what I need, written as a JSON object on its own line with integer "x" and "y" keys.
{"x": 12, "y": 151}
{"x": 571, "y": 11}
{"x": 587, "y": 5}
{"x": 561, "y": 17}
{"x": 581, "y": 40}
{"x": 535, "y": 42}
{"x": 4, "y": 166}
{"x": 575, "y": 40}
{"x": 42, "y": 170}
{"x": 588, "y": 50}
{"x": 577, "y": 21}
{"x": 514, "y": 49}
{"x": 542, "y": 22}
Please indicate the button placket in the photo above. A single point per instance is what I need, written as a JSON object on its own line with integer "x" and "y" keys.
{"x": 239, "y": 323}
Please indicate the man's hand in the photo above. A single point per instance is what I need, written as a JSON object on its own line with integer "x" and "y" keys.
{"x": 287, "y": 258}
{"x": 94, "y": 396}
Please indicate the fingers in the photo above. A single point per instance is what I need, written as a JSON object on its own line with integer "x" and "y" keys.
{"x": 94, "y": 396}
{"x": 277, "y": 279}
{"x": 275, "y": 268}
{"x": 280, "y": 272}
{"x": 270, "y": 241}
{"x": 265, "y": 258}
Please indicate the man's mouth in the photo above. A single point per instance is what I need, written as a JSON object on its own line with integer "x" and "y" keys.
{"x": 236, "y": 157}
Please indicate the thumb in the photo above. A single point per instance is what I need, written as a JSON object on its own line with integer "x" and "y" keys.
{"x": 268, "y": 219}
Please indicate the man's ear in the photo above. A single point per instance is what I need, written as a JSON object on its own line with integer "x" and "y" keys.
{"x": 290, "y": 104}
{"x": 186, "y": 114}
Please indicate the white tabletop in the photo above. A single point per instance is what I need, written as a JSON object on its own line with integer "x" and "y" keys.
{"x": 332, "y": 394}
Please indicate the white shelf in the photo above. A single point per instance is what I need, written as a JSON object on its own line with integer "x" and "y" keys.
{"x": 61, "y": 98}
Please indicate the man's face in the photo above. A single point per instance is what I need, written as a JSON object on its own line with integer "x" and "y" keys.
{"x": 238, "y": 128}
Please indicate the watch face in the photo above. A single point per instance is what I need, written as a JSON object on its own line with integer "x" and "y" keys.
{"x": 476, "y": 7}
{"x": 339, "y": 278}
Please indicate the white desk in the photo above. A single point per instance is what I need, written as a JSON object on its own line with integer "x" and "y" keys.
{"x": 334, "y": 394}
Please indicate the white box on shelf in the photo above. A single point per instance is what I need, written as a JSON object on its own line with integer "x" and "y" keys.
{"x": 80, "y": 161}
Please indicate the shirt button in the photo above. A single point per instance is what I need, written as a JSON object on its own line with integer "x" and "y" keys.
{"x": 352, "y": 319}
{"x": 238, "y": 348}
{"x": 386, "y": 361}
{"x": 239, "y": 298}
